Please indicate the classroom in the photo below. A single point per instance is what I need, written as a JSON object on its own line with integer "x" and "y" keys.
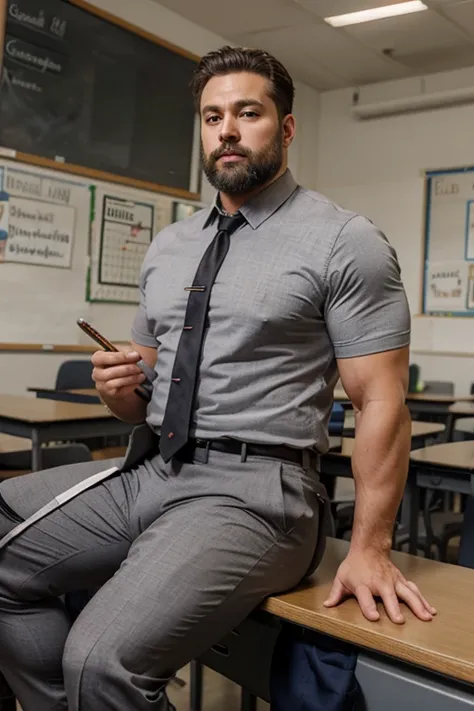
{"x": 283, "y": 447}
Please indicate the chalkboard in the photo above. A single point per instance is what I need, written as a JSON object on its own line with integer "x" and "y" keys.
{"x": 79, "y": 88}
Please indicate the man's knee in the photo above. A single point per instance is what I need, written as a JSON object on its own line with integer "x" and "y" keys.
{"x": 97, "y": 670}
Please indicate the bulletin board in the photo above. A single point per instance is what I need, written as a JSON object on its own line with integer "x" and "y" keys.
{"x": 448, "y": 280}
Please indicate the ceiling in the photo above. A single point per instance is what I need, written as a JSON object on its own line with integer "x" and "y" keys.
{"x": 438, "y": 39}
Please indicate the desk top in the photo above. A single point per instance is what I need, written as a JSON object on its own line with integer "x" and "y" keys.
{"x": 418, "y": 429}
{"x": 457, "y": 455}
{"x": 445, "y": 645}
{"x": 340, "y": 395}
{"x": 434, "y": 397}
{"x": 38, "y": 410}
{"x": 82, "y": 391}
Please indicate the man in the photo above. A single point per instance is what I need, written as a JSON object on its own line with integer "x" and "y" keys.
{"x": 251, "y": 316}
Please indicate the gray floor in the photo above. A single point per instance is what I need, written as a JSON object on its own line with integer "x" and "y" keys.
{"x": 219, "y": 693}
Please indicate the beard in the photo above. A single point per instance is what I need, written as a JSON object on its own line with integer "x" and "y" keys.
{"x": 243, "y": 176}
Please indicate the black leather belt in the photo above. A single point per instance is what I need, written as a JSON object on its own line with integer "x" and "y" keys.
{"x": 304, "y": 457}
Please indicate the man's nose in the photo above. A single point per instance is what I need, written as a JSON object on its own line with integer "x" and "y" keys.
{"x": 229, "y": 131}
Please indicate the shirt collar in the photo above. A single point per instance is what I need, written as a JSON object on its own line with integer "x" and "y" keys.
{"x": 263, "y": 205}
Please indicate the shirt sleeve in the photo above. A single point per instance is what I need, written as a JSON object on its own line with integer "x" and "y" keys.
{"x": 366, "y": 309}
{"x": 142, "y": 331}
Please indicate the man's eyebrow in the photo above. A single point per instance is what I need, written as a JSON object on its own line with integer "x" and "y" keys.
{"x": 240, "y": 104}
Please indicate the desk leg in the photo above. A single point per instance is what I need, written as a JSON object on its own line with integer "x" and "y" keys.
{"x": 413, "y": 504}
{"x": 248, "y": 701}
{"x": 450, "y": 422}
{"x": 196, "y": 686}
{"x": 35, "y": 450}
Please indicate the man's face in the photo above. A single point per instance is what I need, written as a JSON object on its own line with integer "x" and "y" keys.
{"x": 243, "y": 139}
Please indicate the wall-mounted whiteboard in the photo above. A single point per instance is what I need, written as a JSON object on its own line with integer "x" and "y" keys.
{"x": 448, "y": 280}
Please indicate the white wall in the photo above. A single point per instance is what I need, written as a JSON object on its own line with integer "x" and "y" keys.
{"x": 375, "y": 167}
{"x": 20, "y": 371}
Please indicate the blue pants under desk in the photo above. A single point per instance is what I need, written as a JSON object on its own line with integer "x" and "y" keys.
{"x": 410, "y": 667}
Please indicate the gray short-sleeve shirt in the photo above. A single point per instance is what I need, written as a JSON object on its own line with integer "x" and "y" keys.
{"x": 304, "y": 282}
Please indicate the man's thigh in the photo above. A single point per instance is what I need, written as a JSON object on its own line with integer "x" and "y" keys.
{"x": 78, "y": 545}
{"x": 190, "y": 577}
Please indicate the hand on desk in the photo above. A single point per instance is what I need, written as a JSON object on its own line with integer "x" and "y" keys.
{"x": 369, "y": 573}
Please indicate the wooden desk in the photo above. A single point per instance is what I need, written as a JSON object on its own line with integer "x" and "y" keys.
{"x": 420, "y": 432}
{"x": 49, "y": 420}
{"x": 85, "y": 396}
{"x": 437, "y": 657}
{"x": 447, "y": 467}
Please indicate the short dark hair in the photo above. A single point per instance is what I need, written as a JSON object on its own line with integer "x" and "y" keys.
{"x": 228, "y": 60}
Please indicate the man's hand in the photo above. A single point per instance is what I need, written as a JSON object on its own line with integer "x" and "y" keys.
{"x": 116, "y": 375}
{"x": 369, "y": 573}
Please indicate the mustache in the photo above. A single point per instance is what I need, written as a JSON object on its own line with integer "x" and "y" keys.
{"x": 230, "y": 149}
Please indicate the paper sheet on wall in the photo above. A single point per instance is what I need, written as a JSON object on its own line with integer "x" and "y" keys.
{"x": 37, "y": 218}
{"x": 121, "y": 232}
{"x": 447, "y": 286}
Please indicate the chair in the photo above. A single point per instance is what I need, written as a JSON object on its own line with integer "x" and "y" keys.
{"x": 74, "y": 375}
{"x": 439, "y": 387}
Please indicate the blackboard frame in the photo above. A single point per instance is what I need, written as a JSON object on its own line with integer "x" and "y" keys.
{"x": 84, "y": 171}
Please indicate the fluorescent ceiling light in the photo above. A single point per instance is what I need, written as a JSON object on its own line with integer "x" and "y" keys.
{"x": 376, "y": 13}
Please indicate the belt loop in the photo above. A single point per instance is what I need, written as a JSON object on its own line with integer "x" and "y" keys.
{"x": 243, "y": 452}
{"x": 306, "y": 460}
{"x": 208, "y": 446}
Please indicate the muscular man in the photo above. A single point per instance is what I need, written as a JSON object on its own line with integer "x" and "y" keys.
{"x": 249, "y": 310}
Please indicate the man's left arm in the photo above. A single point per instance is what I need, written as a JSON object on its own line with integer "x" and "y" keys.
{"x": 368, "y": 321}
{"x": 376, "y": 385}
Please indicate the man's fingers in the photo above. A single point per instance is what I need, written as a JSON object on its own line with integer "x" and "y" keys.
{"x": 113, "y": 385}
{"x": 367, "y": 603}
{"x": 416, "y": 590}
{"x": 414, "y": 601}
{"x": 337, "y": 595}
{"x": 390, "y": 600}
{"x": 105, "y": 359}
{"x": 117, "y": 371}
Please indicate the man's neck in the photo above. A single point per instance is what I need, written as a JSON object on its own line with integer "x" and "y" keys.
{"x": 232, "y": 203}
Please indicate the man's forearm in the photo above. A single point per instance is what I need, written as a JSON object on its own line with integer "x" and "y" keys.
{"x": 380, "y": 464}
{"x": 129, "y": 409}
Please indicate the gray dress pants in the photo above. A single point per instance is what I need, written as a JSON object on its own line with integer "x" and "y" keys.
{"x": 181, "y": 553}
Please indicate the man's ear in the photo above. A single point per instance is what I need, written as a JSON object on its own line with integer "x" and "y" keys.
{"x": 288, "y": 130}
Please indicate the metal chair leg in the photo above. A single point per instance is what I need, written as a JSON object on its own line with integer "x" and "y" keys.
{"x": 248, "y": 701}
{"x": 195, "y": 691}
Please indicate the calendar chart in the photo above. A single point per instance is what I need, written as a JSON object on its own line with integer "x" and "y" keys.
{"x": 122, "y": 229}
{"x": 125, "y": 238}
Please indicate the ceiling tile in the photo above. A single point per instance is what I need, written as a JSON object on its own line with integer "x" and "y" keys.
{"x": 463, "y": 14}
{"x": 406, "y": 34}
{"x": 440, "y": 59}
{"x": 251, "y": 15}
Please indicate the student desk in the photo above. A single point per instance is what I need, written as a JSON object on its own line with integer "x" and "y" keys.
{"x": 420, "y": 432}
{"x": 43, "y": 421}
{"x": 86, "y": 396}
{"x": 410, "y": 667}
{"x": 448, "y": 467}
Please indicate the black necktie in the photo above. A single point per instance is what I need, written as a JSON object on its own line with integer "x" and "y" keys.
{"x": 178, "y": 413}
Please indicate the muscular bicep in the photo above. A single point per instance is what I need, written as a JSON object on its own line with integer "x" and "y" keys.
{"x": 380, "y": 376}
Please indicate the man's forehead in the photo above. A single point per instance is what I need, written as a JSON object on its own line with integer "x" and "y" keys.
{"x": 235, "y": 87}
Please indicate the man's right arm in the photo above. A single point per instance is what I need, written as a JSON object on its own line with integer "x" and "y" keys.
{"x": 116, "y": 375}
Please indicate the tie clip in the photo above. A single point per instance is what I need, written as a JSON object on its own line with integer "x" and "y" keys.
{"x": 195, "y": 288}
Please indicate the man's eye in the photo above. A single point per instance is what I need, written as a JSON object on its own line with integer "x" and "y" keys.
{"x": 250, "y": 114}
{"x": 212, "y": 119}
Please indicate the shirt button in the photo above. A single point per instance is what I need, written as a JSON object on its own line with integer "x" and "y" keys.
{"x": 170, "y": 435}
